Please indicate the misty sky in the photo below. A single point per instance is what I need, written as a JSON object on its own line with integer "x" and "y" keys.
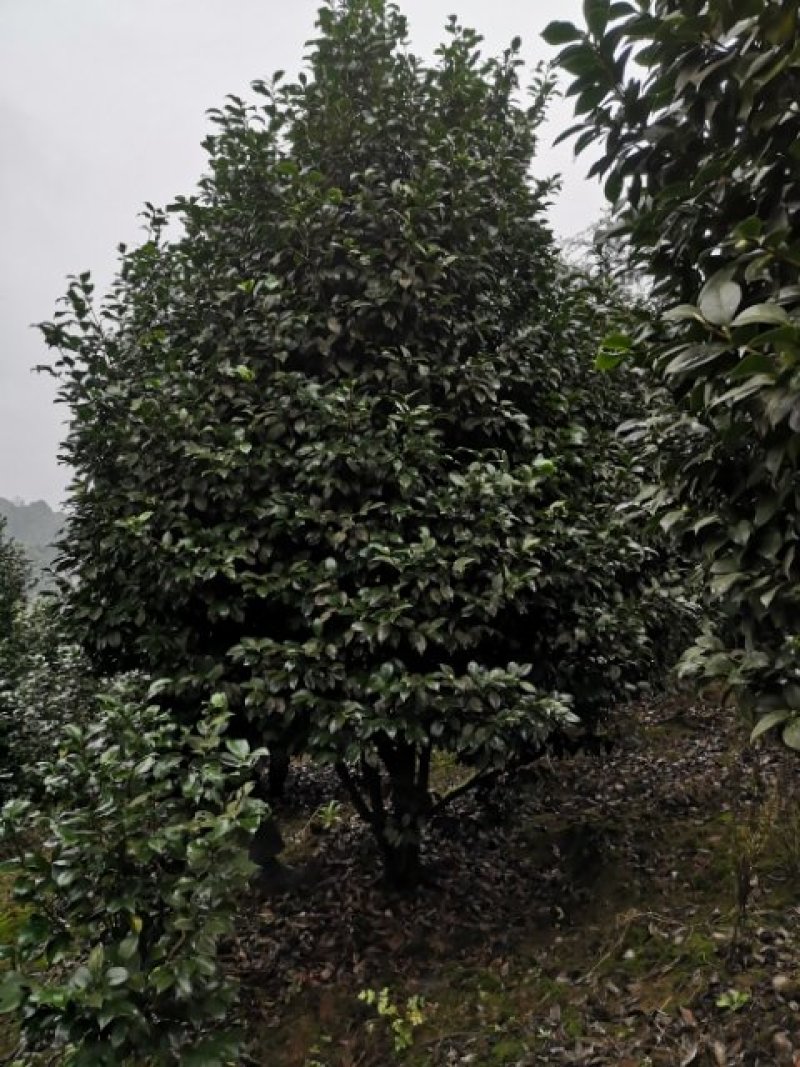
{"x": 102, "y": 107}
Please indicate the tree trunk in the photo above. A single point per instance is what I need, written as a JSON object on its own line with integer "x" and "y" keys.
{"x": 278, "y": 771}
{"x": 401, "y": 863}
{"x": 408, "y": 783}
{"x": 397, "y": 827}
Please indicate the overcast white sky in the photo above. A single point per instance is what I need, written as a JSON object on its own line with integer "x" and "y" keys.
{"x": 102, "y": 106}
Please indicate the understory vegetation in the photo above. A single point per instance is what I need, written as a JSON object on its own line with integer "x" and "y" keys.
{"x": 353, "y": 732}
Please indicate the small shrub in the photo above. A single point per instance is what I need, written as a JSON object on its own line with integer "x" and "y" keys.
{"x": 326, "y": 817}
{"x": 139, "y": 857}
{"x": 401, "y": 1020}
{"x": 733, "y": 1000}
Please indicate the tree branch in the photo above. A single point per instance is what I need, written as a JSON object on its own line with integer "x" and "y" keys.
{"x": 424, "y": 772}
{"x": 355, "y": 793}
{"x": 373, "y": 781}
{"x": 476, "y": 780}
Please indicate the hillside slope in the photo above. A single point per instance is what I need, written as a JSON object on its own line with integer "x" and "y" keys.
{"x": 36, "y": 526}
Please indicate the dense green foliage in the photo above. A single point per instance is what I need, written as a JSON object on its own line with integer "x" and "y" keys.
{"x": 339, "y": 447}
{"x": 45, "y": 684}
{"x": 701, "y": 156}
{"x": 14, "y": 578}
{"x": 131, "y": 869}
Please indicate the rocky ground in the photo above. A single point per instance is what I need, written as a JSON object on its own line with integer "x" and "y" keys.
{"x": 638, "y": 909}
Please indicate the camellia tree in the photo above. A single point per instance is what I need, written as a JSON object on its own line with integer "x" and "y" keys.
{"x": 339, "y": 449}
{"x": 700, "y": 149}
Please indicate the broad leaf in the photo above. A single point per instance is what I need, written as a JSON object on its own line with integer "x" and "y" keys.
{"x": 557, "y": 33}
{"x": 769, "y": 722}
{"x": 719, "y": 300}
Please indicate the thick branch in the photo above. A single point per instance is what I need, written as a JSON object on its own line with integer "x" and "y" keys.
{"x": 373, "y": 780}
{"x": 355, "y": 793}
{"x": 477, "y": 779}
{"x": 423, "y": 774}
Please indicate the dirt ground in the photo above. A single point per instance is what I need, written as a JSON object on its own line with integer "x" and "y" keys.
{"x": 636, "y": 909}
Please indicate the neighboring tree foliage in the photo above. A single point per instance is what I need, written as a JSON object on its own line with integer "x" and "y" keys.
{"x": 700, "y": 149}
{"x": 45, "y": 684}
{"x": 131, "y": 871}
{"x": 339, "y": 447}
{"x": 14, "y": 581}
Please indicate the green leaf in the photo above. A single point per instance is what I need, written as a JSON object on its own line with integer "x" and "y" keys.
{"x": 733, "y": 1000}
{"x": 613, "y": 350}
{"x": 613, "y": 187}
{"x": 682, "y": 313}
{"x": 754, "y": 363}
{"x": 96, "y": 959}
{"x": 723, "y": 583}
{"x": 791, "y": 734}
{"x": 769, "y": 721}
{"x": 750, "y": 229}
{"x": 617, "y": 342}
{"x": 597, "y": 13}
{"x": 762, "y": 314}
{"x": 162, "y": 978}
{"x": 129, "y": 947}
{"x": 117, "y": 976}
{"x": 587, "y": 101}
{"x": 11, "y": 992}
{"x": 672, "y": 518}
{"x": 719, "y": 299}
{"x": 287, "y": 168}
{"x": 607, "y": 360}
{"x": 557, "y": 33}
{"x": 238, "y": 747}
{"x": 693, "y": 357}
{"x": 215, "y": 1051}
{"x": 581, "y": 59}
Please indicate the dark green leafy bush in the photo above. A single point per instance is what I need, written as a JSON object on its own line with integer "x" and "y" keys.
{"x": 45, "y": 684}
{"x": 14, "y": 582}
{"x": 339, "y": 447}
{"x": 700, "y": 149}
{"x": 130, "y": 867}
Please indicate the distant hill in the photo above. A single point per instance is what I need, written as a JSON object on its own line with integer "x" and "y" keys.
{"x": 36, "y": 526}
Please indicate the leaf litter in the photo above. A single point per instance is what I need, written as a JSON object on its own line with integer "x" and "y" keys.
{"x": 638, "y": 908}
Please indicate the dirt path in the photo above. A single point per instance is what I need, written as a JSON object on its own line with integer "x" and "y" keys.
{"x": 588, "y": 916}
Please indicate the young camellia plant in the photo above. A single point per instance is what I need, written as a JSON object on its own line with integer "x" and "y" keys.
{"x": 339, "y": 450}
{"x": 130, "y": 869}
{"x": 693, "y": 107}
